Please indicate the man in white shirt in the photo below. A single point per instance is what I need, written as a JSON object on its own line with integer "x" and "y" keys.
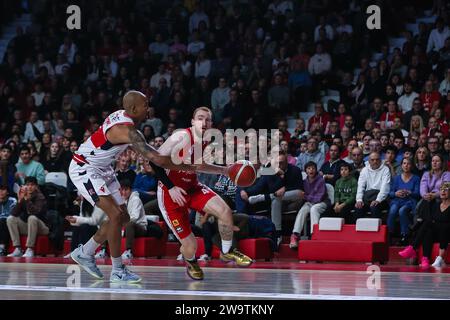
{"x": 162, "y": 73}
{"x": 196, "y": 17}
{"x": 373, "y": 188}
{"x": 444, "y": 88}
{"x": 69, "y": 49}
{"x": 38, "y": 95}
{"x": 328, "y": 29}
{"x": 159, "y": 47}
{"x": 405, "y": 102}
{"x": 61, "y": 63}
{"x": 437, "y": 36}
{"x": 138, "y": 226}
{"x": 320, "y": 62}
{"x": 30, "y": 134}
{"x": 195, "y": 45}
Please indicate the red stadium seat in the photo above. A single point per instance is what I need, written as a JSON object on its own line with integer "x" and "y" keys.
{"x": 345, "y": 245}
{"x": 43, "y": 246}
{"x": 256, "y": 249}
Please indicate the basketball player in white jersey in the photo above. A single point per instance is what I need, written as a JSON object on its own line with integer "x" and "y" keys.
{"x": 92, "y": 173}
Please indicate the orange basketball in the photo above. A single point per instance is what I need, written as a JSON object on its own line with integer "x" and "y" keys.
{"x": 242, "y": 173}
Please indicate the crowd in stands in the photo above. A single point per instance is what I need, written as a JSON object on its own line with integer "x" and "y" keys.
{"x": 376, "y": 144}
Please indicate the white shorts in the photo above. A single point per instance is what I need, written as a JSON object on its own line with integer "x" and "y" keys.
{"x": 93, "y": 182}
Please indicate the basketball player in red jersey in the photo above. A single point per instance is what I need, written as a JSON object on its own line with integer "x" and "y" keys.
{"x": 198, "y": 197}
{"x": 92, "y": 173}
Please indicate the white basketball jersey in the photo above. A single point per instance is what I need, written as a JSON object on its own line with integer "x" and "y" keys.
{"x": 97, "y": 151}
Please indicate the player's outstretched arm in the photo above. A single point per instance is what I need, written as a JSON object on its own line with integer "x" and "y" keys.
{"x": 175, "y": 143}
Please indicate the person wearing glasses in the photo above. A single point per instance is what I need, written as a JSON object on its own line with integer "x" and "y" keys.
{"x": 373, "y": 188}
{"x": 435, "y": 228}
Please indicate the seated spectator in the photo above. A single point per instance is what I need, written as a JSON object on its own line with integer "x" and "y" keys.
{"x": 344, "y": 194}
{"x": 34, "y": 128}
{"x": 84, "y": 229}
{"x": 330, "y": 170}
{"x": 7, "y": 205}
{"x": 316, "y": 202}
{"x": 249, "y": 226}
{"x": 312, "y": 154}
{"x": 357, "y": 161}
{"x": 220, "y": 96}
{"x": 435, "y": 227}
{"x": 29, "y": 168}
{"x": 28, "y": 217}
{"x": 138, "y": 226}
{"x": 430, "y": 184}
{"x": 7, "y": 168}
{"x": 145, "y": 183}
{"x": 123, "y": 170}
{"x": 388, "y": 117}
{"x": 52, "y": 161}
{"x": 226, "y": 189}
{"x": 320, "y": 117}
{"x": 430, "y": 98}
{"x": 373, "y": 188}
{"x": 389, "y": 160}
{"x": 421, "y": 161}
{"x": 404, "y": 195}
{"x": 284, "y": 189}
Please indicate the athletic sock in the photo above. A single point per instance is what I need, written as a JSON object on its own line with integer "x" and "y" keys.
{"x": 226, "y": 245}
{"x": 117, "y": 263}
{"x": 193, "y": 259}
{"x": 90, "y": 247}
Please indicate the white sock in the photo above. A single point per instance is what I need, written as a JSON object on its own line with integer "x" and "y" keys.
{"x": 226, "y": 245}
{"x": 117, "y": 263}
{"x": 90, "y": 247}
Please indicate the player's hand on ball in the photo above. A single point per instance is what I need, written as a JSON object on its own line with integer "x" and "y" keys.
{"x": 177, "y": 195}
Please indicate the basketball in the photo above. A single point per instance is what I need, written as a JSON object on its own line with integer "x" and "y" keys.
{"x": 242, "y": 173}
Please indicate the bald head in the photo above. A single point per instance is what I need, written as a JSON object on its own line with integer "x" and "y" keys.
{"x": 131, "y": 98}
{"x": 135, "y": 104}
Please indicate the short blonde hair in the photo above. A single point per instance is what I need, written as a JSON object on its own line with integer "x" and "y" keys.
{"x": 201, "y": 109}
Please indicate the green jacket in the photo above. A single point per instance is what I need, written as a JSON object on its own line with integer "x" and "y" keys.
{"x": 345, "y": 190}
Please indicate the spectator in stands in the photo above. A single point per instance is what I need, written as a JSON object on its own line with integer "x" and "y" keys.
{"x": 390, "y": 160}
{"x": 123, "y": 170}
{"x": 330, "y": 170}
{"x": 138, "y": 226}
{"x": 7, "y": 205}
{"x": 82, "y": 231}
{"x": 233, "y": 113}
{"x": 438, "y": 36}
{"x": 52, "y": 161}
{"x": 29, "y": 168}
{"x": 404, "y": 195}
{"x": 34, "y": 128}
{"x": 421, "y": 160}
{"x": 219, "y": 98}
{"x": 7, "y": 168}
{"x": 430, "y": 184}
{"x": 28, "y": 217}
{"x": 145, "y": 183}
{"x": 430, "y": 98}
{"x": 284, "y": 189}
{"x": 312, "y": 154}
{"x": 373, "y": 188}
{"x": 316, "y": 202}
{"x": 320, "y": 117}
{"x": 436, "y": 226}
{"x": 405, "y": 102}
{"x": 444, "y": 87}
{"x": 153, "y": 121}
{"x": 344, "y": 194}
{"x": 387, "y": 118}
{"x": 278, "y": 96}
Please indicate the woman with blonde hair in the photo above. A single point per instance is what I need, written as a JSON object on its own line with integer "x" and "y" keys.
{"x": 416, "y": 124}
{"x": 421, "y": 161}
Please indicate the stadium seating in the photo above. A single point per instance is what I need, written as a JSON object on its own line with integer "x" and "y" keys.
{"x": 332, "y": 240}
{"x": 43, "y": 246}
{"x": 149, "y": 246}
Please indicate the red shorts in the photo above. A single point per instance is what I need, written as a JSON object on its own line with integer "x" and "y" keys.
{"x": 177, "y": 217}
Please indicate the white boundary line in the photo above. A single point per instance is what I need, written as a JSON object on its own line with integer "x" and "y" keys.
{"x": 251, "y": 295}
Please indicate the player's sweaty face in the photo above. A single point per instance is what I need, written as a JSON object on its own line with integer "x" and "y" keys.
{"x": 202, "y": 120}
